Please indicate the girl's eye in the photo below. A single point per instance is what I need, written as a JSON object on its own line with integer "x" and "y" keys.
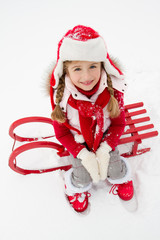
{"x": 93, "y": 66}
{"x": 77, "y": 69}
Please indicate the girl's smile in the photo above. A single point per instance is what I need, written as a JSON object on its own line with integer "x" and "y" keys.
{"x": 87, "y": 83}
{"x": 84, "y": 74}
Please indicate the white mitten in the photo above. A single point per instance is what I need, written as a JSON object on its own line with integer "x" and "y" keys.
{"x": 90, "y": 163}
{"x": 103, "y": 157}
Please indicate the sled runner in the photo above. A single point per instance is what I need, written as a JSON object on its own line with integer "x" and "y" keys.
{"x": 131, "y": 129}
{"x": 33, "y": 143}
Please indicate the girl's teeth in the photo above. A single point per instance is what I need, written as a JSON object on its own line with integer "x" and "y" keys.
{"x": 86, "y": 83}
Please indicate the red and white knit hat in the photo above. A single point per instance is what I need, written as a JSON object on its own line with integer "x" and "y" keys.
{"x": 82, "y": 44}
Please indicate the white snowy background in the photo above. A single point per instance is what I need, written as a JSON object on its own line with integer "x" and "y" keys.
{"x": 34, "y": 206}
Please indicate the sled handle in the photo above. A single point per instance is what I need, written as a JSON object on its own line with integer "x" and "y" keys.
{"x": 27, "y": 120}
{"x": 32, "y": 145}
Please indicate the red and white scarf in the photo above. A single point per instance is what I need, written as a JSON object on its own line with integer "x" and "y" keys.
{"x": 91, "y": 118}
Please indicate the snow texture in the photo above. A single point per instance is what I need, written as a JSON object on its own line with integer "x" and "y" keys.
{"x": 34, "y": 206}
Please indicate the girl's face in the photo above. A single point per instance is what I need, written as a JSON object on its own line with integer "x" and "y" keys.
{"x": 84, "y": 74}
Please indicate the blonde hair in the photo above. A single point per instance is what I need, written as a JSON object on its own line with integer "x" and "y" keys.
{"x": 113, "y": 107}
{"x": 59, "y": 115}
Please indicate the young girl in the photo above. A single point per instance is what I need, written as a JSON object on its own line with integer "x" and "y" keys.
{"x": 86, "y": 90}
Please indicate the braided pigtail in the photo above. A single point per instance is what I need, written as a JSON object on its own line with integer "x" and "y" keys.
{"x": 57, "y": 113}
{"x": 113, "y": 106}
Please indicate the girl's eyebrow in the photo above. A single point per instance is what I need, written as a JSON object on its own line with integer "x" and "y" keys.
{"x": 94, "y": 63}
{"x": 75, "y": 66}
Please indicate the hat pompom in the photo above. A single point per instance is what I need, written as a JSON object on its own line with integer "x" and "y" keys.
{"x": 82, "y": 33}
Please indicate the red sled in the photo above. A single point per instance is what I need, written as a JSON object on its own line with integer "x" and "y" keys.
{"x": 131, "y": 129}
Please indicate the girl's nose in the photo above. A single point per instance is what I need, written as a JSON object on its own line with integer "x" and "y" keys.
{"x": 86, "y": 75}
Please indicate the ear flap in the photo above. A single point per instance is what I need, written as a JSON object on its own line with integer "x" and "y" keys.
{"x": 116, "y": 63}
{"x": 48, "y": 77}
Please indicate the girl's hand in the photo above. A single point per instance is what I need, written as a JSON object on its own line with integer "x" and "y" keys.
{"x": 90, "y": 163}
{"x": 103, "y": 157}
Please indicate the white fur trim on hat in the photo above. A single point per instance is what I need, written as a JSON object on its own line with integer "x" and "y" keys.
{"x": 91, "y": 50}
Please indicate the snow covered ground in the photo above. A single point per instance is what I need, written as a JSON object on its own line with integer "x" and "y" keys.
{"x": 34, "y": 206}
